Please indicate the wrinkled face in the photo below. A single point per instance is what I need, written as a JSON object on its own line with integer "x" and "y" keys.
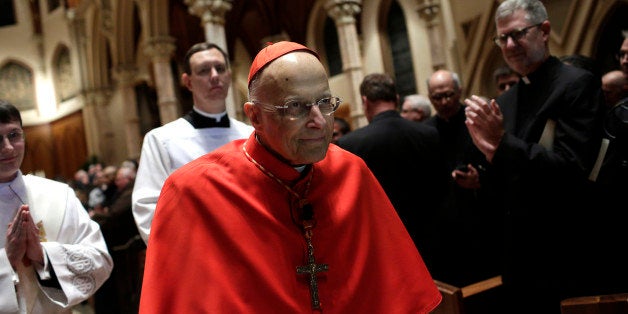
{"x": 11, "y": 150}
{"x": 527, "y": 53}
{"x": 297, "y": 76}
{"x": 209, "y": 78}
{"x": 444, "y": 95}
{"x": 410, "y": 113}
{"x": 623, "y": 56}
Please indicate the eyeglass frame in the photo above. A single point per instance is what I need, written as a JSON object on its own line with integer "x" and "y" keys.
{"x": 445, "y": 95}
{"x": 516, "y": 35}
{"x": 282, "y": 109}
{"x": 620, "y": 55}
{"x": 14, "y": 137}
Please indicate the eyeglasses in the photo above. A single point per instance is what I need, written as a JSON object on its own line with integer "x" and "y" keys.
{"x": 14, "y": 137}
{"x": 446, "y": 96}
{"x": 516, "y": 35}
{"x": 620, "y": 55}
{"x": 298, "y": 109}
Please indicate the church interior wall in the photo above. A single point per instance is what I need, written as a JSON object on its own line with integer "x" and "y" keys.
{"x": 104, "y": 38}
{"x": 21, "y": 45}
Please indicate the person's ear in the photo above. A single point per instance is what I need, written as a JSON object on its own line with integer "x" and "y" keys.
{"x": 546, "y": 28}
{"x": 253, "y": 113}
{"x": 185, "y": 79}
{"x": 364, "y": 102}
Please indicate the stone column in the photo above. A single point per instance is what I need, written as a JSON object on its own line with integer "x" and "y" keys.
{"x": 429, "y": 11}
{"x": 79, "y": 38}
{"x": 125, "y": 77}
{"x": 160, "y": 50}
{"x": 97, "y": 123}
{"x": 212, "y": 14}
{"x": 343, "y": 12}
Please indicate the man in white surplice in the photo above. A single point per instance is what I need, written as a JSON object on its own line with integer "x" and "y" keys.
{"x": 53, "y": 256}
{"x": 207, "y": 75}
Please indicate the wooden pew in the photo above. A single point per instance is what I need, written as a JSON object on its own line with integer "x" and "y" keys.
{"x": 600, "y": 304}
{"x": 454, "y": 297}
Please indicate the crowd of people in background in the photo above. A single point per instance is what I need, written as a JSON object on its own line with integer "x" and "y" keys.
{"x": 467, "y": 252}
{"x": 105, "y": 192}
{"x": 521, "y": 186}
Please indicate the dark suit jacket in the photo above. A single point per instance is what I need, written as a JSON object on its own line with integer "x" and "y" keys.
{"x": 545, "y": 191}
{"x": 404, "y": 156}
{"x": 468, "y": 248}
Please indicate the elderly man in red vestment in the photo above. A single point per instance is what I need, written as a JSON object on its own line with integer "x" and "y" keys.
{"x": 282, "y": 222}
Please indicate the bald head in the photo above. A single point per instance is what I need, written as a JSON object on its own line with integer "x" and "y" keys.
{"x": 293, "y": 79}
{"x": 615, "y": 87}
{"x": 444, "y": 93}
{"x": 272, "y": 52}
{"x": 444, "y": 77}
{"x": 294, "y": 68}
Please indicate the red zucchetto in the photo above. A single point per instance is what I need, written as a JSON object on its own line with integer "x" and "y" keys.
{"x": 272, "y": 52}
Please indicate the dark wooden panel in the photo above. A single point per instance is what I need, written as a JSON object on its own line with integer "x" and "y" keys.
{"x": 58, "y": 149}
{"x": 70, "y": 146}
{"x": 39, "y": 155}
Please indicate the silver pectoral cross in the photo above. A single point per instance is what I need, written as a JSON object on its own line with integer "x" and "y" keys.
{"x": 312, "y": 268}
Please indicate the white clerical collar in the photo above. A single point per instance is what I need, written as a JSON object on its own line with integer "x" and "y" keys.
{"x": 5, "y": 188}
{"x": 300, "y": 168}
{"x": 526, "y": 80}
{"x": 15, "y": 187}
{"x": 215, "y": 116}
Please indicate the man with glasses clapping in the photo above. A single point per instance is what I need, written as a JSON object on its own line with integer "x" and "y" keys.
{"x": 541, "y": 138}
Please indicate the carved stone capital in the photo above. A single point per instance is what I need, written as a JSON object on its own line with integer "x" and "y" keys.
{"x": 429, "y": 9}
{"x": 210, "y": 11}
{"x": 160, "y": 48}
{"x": 97, "y": 97}
{"x": 125, "y": 74}
{"x": 343, "y": 11}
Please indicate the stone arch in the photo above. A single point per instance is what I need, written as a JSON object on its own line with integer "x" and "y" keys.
{"x": 404, "y": 70}
{"x": 123, "y": 41}
{"x": 372, "y": 51}
{"x": 64, "y": 82}
{"x": 315, "y": 37}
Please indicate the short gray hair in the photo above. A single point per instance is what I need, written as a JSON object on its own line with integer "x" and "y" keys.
{"x": 535, "y": 10}
{"x": 419, "y": 102}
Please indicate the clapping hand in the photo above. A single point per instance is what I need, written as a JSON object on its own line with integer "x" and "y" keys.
{"x": 485, "y": 124}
